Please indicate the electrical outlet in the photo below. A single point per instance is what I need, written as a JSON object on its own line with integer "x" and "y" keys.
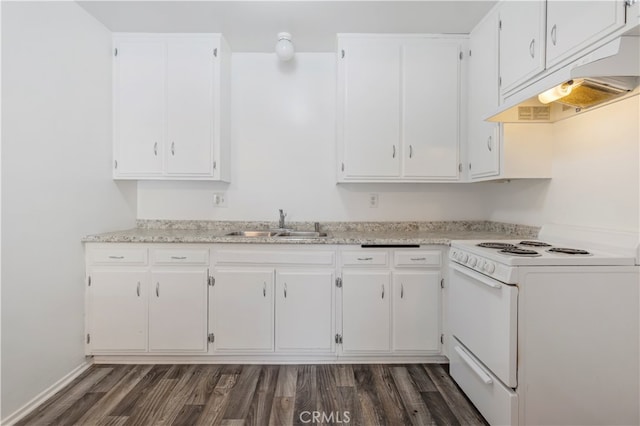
{"x": 219, "y": 199}
{"x": 373, "y": 201}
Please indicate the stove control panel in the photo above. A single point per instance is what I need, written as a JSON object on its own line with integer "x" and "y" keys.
{"x": 488, "y": 267}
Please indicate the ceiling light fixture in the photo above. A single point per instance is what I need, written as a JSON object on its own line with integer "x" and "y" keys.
{"x": 284, "y": 47}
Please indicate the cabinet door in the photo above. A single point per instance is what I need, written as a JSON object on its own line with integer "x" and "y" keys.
{"x": 483, "y": 137}
{"x": 241, "y": 306}
{"x": 139, "y": 100}
{"x": 117, "y": 310}
{"x": 369, "y": 84}
{"x": 365, "y": 311}
{"x": 574, "y": 25}
{"x": 190, "y": 76}
{"x": 178, "y": 310}
{"x": 416, "y": 311}
{"x": 430, "y": 103}
{"x": 521, "y": 41}
{"x": 304, "y": 310}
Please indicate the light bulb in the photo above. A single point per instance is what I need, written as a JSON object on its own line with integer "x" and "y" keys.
{"x": 556, "y": 93}
{"x": 284, "y": 47}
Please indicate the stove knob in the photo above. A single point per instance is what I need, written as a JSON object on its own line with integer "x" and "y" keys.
{"x": 472, "y": 261}
{"x": 463, "y": 257}
{"x": 489, "y": 267}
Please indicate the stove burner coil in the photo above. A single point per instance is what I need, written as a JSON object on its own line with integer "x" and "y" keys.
{"x": 535, "y": 244}
{"x": 497, "y": 245}
{"x": 520, "y": 252}
{"x": 567, "y": 251}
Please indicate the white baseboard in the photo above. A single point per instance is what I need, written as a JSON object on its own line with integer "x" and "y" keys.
{"x": 46, "y": 394}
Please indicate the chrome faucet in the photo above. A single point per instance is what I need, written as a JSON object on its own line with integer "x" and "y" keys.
{"x": 282, "y": 216}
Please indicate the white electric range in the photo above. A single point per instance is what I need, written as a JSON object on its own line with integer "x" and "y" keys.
{"x": 546, "y": 331}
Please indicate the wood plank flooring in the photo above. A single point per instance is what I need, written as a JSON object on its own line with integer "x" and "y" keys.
{"x": 244, "y": 395}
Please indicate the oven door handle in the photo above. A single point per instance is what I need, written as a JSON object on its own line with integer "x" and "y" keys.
{"x": 476, "y": 276}
{"x": 475, "y": 367}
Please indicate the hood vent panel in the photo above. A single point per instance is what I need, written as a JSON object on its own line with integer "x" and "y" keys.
{"x": 531, "y": 113}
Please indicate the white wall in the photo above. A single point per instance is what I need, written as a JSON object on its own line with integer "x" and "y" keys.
{"x": 596, "y": 181}
{"x": 283, "y": 156}
{"x": 56, "y": 187}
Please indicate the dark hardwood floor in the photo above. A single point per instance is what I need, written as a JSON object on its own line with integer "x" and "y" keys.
{"x": 413, "y": 394}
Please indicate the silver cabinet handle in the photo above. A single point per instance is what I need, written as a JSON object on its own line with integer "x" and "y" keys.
{"x": 157, "y": 289}
{"x": 285, "y": 290}
{"x": 138, "y": 289}
{"x": 116, "y": 257}
{"x": 401, "y": 291}
{"x": 532, "y": 46}
{"x": 418, "y": 258}
{"x": 365, "y": 258}
{"x": 155, "y": 149}
{"x": 173, "y": 148}
{"x": 179, "y": 257}
{"x": 489, "y": 144}
{"x": 264, "y": 289}
{"x": 410, "y": 151}
{"x": 394, "y": 151}
{"x": 383, "y": 291}
{"x": 554, "y": 31}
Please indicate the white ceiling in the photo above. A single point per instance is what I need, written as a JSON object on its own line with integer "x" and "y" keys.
{"x": 252, "y": 26}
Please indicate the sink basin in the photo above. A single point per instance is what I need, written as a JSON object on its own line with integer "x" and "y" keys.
{"x": 301, "y": 234}
{"x": 278, "y": 234}
{"x": 253, "y": 234}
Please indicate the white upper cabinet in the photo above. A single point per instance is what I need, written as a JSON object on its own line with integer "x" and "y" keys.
{"x": 522, "y": 32}
{"x": 398, "y": 108}
{"x": 483, "y": 137}
{"x": 573, "y": 26}
{"x": 170, "y": 107}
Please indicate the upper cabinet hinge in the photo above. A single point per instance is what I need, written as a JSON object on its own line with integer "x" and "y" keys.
{"x": 461, "y": 55}
{"x": 115, "y": 164}
{"x": 211, "y": 338}
{"x": 500, "y": 24}
{"x": 89, "y": 280}
{"x": 442, "y": 283}
{"x": 339, "y": 338}
{"x": 215, "y": 52}
{"x": 115, "y": 52}
{"x": 211, "y": 281}
{"x": 342, "y": 53}
{"x": 469, "y": 52}
{"x": 88, "y": 338}
{"x": 339, "y": 282}
{"x": 215, "y": 165}
{"x": 630, "y": 3}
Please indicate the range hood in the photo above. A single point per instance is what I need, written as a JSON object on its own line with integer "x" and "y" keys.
{"x": 606, "y": 74}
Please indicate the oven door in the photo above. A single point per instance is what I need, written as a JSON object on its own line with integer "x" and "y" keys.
{"x": 483, "y": 317}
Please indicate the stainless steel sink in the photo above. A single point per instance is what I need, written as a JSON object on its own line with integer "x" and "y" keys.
{"x": 253, "y": 234}
{"x": 278, "y": 234}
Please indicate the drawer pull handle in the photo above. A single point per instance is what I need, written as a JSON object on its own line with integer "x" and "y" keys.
{"x": 418, "y": 258}
{"x": 179, "y": 257}
{"x": 264, "y": 289}
{"x": 158, "y": 289}
{"x": 138, "y": 289}
{"x": 476, "y": 369}
{"x": 532, "y": 47}
{"x": 285, "y": 290}
{"x": 365, "y": 258}
{"x": 490, "y": 144}
{"x": 401, "y": 291}
{"x": 116, "y": 257}
{"x": 383, "y": 291}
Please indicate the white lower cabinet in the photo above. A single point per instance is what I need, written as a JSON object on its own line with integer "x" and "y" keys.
{"x": 241, "y": 305}
{"x": 178, "y": 310}
{"x": 365, "y": 311}
{"x": 391, "y": 306}
{"x": 117, "y": 310}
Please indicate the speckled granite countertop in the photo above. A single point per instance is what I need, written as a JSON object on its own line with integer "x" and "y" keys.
{"x": 423, "y": 233}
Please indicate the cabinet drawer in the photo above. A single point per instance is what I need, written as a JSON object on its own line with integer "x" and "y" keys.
{"x": 273, "y": 256}
{"x": 118, "y": 256}
{"x": 361, "y": 258}
{"x": 167, "y": 256}
{"x": 417, "y": 258}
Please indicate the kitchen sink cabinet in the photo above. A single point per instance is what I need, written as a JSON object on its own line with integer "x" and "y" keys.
{"x": 137, "y": 306}
{"x": 407, "y": 129}
{"x": 522, "y": 36}
{"x": 573, "y": 26}
{"x": 391, "y": 308}
{"x": 170, "y": 114}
